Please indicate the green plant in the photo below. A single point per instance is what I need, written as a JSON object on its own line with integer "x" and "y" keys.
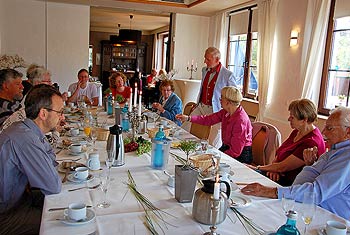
{"x": 107, "y": 91}
{"x": 188, "y": 146}
{"x": 119, "y": 98}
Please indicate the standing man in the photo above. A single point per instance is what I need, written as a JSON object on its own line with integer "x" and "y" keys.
{"x": 27, "y": 163}
{"x": 11, "y": 93}
{"x": 328, "y": 177}
{"x": 83, "y": 89}
{"x": 214, "y": 77}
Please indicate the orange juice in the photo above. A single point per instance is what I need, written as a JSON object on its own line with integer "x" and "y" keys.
{"x": 87, "y": 130}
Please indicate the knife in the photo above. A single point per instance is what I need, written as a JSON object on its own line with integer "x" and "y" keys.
{"x": 62, "y": 208}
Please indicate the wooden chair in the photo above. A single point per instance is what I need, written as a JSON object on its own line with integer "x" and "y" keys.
{"x": 200, "y": 131}
{"x": 266, "y": 140}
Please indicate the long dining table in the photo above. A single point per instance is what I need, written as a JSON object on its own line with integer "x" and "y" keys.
{"x": 126, "y": 216}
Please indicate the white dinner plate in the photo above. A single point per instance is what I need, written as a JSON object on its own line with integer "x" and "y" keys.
{"x": 90, "y": 215}
{"x": 239, "y": 200}
{"x": 71, "y": 178}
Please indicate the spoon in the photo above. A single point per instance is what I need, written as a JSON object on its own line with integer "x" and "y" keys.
{"x": 92, "y": 187}
{"x": 62, "y": 208}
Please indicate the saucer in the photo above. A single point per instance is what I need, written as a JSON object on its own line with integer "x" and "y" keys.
{"x": 240, "y": 200}
{"x": 322, "y": 231}
{"x": 90, "y": 215}
{"x": 71, "y": 178}
{"x": 66, "y": 164}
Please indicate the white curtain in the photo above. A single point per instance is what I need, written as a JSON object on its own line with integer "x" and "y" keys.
{"x": 220, "y": 34}
{"x": 313, "y": 48}
{"x": 267, "y": 14}
{"x": 155, "y": 52}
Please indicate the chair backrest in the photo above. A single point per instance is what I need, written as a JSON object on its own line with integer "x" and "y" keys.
{"x": 188, "y": 108}
{"x": 266, "y": 140}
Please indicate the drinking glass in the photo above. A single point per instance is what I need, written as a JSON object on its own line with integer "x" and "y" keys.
{"x": 93, "y": 136}
{"x": 287, "y": 204}
{"x": 110, "y": 158}
{"x": 104, "y": 183}
{"x": 308, "y": 209}
{"x": 204, "y": 145}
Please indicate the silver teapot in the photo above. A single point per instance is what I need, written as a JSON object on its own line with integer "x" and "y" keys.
{"x": 115, "y": 143}
{"x": 202, "y": 203}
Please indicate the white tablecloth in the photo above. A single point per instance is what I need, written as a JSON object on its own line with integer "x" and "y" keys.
{"x": 126, "y": 216}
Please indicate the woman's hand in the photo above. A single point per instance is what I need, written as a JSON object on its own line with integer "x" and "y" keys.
{"x": 310, "y": 155}
{"x": 158, "y": 106}
{"x": 181, "y": 117}
{"x": 275, "y": 176}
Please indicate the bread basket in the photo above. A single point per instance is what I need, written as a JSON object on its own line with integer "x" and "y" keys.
{"x": 102, "y": 134}
{"x": 152, "y": 132}
{"x": 203, "y": 161}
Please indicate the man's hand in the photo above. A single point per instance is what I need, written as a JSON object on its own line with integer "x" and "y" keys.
{"x": 259, "y": 190}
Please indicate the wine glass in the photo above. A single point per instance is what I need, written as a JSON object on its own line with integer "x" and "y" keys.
{"x": 287, "y": 204}
{"x": 104, "y": 183}
{"x": 110, "y": 158}
{"x": 308, "y": 209}
{"x": 93, "y": 136}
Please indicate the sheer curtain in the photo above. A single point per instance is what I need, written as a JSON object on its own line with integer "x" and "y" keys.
{"x": 267, "y": 15}
{"x": 313, "y": 48}
{"x": 220, "y": 35}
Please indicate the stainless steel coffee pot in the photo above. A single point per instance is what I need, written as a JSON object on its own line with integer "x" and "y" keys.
{"x": 115, "y": 143}
{"x": 202, "y": 203}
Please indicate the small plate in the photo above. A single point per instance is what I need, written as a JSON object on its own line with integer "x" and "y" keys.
{"x": 240, "y": 200}
{"x": 66, "y": 164}
{"x": 90, "y": 216}
{"x": 75, "y": 180}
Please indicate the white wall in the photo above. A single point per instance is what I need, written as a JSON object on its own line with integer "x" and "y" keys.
{"x": 56, "y": 36}
{"x": 190, "y": 42}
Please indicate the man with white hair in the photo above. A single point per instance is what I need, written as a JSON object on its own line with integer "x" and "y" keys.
{"x": 328, "y": 177}
{"x": 214, "y": 77}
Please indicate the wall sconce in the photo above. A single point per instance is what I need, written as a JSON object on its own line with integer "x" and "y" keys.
{"x": 294, "y": 38}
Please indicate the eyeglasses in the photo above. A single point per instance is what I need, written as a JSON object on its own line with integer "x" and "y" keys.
{"x": 59, "y": 112}
{"x": 331, "y": 128}
{"x": 46, "y": 81}
{"x": 166, "y": 90}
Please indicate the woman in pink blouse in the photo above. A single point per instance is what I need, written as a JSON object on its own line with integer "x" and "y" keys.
{"x": 120, "y": 92}
{"x": 289, "y": 156}
{"x": 236, "y": 126}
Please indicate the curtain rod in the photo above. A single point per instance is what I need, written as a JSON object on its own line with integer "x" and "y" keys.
{"x": 242, "y": 9}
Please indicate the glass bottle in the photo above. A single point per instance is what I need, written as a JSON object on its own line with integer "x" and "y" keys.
{"x": 289, "y": 228}
{"x": 160, "y": 135}
{"x": 157, "y": 154}
{"x": 110, "y": 104}
{"x": 125, "y": 118}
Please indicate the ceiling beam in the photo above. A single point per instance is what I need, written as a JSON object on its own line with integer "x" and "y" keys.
{"x": 169, "y": 4}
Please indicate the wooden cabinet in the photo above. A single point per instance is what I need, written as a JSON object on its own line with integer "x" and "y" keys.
{"x": 121, "y": 57}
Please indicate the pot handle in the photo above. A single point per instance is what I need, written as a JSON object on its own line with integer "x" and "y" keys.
{"x": 228, "y": 187}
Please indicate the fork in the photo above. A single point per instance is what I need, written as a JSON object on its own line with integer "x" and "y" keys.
{"x": 92, "y": 187}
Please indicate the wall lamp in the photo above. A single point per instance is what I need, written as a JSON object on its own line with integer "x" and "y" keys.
{"x": 294, "y": 38}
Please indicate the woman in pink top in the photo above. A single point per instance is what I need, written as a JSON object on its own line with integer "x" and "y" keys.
{"x": 289, "y": 156}
{"x": 120, "y": 92}
{"x": 236, "y": 126}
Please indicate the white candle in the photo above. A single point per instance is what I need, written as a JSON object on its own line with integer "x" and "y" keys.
{"x": 139, "y": 110}
{"x": 135, "y": 96}
{"x": 192, "y": 62}
{"x": 130, "y": 100}
{"x": 216, "y": 191}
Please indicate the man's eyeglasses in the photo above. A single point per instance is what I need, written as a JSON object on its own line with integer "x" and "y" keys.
{"x": 331, "y": 128}
{"x": 59, "y": 112}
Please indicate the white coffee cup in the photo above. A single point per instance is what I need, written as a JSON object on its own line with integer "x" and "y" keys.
{"x": 335, "y": 228}
{"x": 93, "y": 161}
{"x": 72, "y": 105}
{"x": 75, "y": 148}
{"x": 76, "y": 211}
{"x": 81, "y": 173}
{"x": 74, "y": 131}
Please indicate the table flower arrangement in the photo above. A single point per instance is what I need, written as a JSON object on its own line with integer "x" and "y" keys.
{"x": 12, "y": 62}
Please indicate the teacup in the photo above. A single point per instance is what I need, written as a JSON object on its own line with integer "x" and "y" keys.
{"x": 81, "y": 173}
{"x": 72, "y": 105}
{"x": 76, "y": 211}
{"x": 93, "y": 161}
{"x": 335, "y": 228}
{"x": 75, "y": 148}
{"x": 74, "y": 131}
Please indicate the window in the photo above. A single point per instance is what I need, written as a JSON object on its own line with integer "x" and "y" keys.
{"x": 335, "y": 85}
{"x": 242, "y": 50}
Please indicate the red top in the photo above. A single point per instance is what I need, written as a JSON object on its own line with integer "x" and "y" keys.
{"x": 208, "y": 87}
{"x": 124, "y": 94}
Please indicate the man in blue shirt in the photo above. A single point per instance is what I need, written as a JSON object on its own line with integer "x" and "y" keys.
{"x": 329, "y": 177}
{"x": 27, "y": 163}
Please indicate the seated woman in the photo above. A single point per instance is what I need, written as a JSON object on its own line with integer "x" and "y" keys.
{"x": 289, "y": 156}
{"x": 151, "y": 81}
{"x": 169, "y": 103}
{"x": 120, "y": 92}
{"x": 236, "y": 127}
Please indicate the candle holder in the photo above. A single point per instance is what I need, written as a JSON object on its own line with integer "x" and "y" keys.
{"x": 192, "y": 69}
{"x": 214, "y": 214}
{"x": 135, "y": 120}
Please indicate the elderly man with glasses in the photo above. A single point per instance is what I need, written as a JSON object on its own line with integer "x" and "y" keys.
{"x": 328, "y": 177}
{"x": 27, "y": 163}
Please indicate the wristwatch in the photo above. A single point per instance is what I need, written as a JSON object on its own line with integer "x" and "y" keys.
{"x": 258, "y": 167}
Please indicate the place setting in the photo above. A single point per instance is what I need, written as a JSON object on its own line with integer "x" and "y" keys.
{"x": 76, "y": 149}
{"x": 80, "y": 175}
{"x": 77, "y": 214}
{"x": 333, "y": 227}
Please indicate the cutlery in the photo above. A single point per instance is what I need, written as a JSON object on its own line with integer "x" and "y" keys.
{"x": 92, "y": 187}
{"x": 62, "y": 208}
{"x": 68, "y": 159}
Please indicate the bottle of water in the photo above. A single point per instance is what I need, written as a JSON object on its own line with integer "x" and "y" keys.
{"x": 160, "y": 135}
{"x": 125, "y": 118}
{"x": 157, "y": 155}
{"x": 290, "y": 227}
{"x": 110, "y": 104}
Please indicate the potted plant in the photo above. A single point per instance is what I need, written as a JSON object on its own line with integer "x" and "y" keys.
{"x": 185, "y": 175}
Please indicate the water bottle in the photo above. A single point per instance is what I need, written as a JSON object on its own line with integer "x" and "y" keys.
{"x": 160, "y": 135}
{"x": 157, "y": 156}
{"x": 110, "y": 104}
{"x": 290, "y": 227}
{"x": 125, "y": 119}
